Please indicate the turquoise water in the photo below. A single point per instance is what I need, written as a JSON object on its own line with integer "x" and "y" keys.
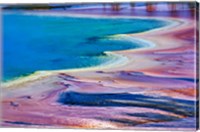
{"x": 32, "y": 43}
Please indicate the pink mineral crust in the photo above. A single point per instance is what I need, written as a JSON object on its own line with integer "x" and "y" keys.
{"x": 154, "y": 90}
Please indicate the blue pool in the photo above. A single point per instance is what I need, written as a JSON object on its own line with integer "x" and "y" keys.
{"x": 33, "y": 42}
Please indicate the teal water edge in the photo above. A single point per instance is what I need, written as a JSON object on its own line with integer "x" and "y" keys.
{"x": 32, "y": 43}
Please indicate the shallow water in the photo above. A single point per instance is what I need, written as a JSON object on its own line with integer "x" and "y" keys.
{"x": 32, "y": 43}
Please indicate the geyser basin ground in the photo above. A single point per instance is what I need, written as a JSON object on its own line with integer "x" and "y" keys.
{"x": 153, "y": 88}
